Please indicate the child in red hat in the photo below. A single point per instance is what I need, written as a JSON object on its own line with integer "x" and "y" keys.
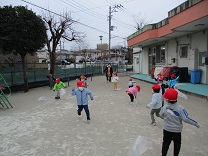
{"x": 115, "y": 81}
{"x": 173, "y": 80}
{"x": 162, "y": 87}
{"x": 173, "y": 115}
{"x": 132, "y": 92}
{"x": 58, "y": 86}
{"x": 82, "y": 98}
{"x": 156, "y": 103}
{"x": 84, "y": 79}
{"x": 131, "y": 83}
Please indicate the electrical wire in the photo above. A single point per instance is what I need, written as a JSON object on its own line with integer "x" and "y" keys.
{"x": 72, "y": 20}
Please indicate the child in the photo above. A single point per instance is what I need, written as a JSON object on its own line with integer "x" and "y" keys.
{"x": 132, "y": 92}
{"x": 162, "y": 87}
{"x": 58, "y": 86}
{"x": 82, "y": 98}
{"x": 115, "y": 81}
{"x": 173, "y": 115}
{"x": 156, "y": 103}
{"x": 84, "y": 79}
{"x": 158, "y": 76}
{"x": 130, "y": 84}
{"x": 173, "y": 81}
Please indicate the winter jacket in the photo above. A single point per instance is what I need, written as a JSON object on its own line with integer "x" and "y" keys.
{"x": 82, "y": 96}
{"x": 115, "y": 79}
{"x": 162, "y": 89}
{"x": 132, "y": 90}
{"x": 106, "y": 71}
{"x": 156, "y": 101}
{"x": 173, "y": 115}
{"x": 173, "y": 82}
{"x": 58, "y": 86}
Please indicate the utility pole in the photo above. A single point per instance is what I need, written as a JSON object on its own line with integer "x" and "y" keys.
{"x": 111, "y": 10}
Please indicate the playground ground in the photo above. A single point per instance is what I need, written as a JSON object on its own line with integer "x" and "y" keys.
{"x": 39, "y": 125}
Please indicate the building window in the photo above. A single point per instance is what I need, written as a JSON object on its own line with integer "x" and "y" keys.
{"x": 184, "y": 52}
{"x": 160, "y": 54}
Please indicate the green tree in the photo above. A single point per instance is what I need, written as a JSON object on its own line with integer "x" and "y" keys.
{"x": 21, "y": 32}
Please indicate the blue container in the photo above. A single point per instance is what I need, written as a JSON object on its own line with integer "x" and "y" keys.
{"x": 195, "y": 76}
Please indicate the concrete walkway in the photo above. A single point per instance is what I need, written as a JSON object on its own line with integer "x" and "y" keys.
{"x": 39, "y": 125}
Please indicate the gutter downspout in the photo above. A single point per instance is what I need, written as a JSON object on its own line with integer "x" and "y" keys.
{"x": 177, "y": 45}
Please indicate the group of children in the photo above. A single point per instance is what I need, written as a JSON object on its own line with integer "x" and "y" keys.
{"x": 172, "y": 112}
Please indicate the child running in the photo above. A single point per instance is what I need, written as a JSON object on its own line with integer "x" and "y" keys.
{"x": 115, "y": 81}
{"x": 173, "y": 115}
{"x": 82, "y": 98}
{"x": 130, "y": 84}
{"x": 132, "y": 92}
{"x": 162, "y": 87}
{"x": 58, "y": 86}
{"x": 173, "y": 80}
{"x": 84, "y": 79}
{"x": 155, "y": 104}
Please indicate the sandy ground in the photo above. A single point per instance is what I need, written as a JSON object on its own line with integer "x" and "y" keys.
{"x": 40, "y": 125}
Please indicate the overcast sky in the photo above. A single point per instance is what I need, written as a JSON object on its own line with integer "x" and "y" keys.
{"x": 93, "y": 16}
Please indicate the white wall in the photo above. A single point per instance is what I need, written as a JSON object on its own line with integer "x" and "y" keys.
{"x": 145, "y": 61}
{"x": 200, "y": 41}
{"x": 171, "y": 52}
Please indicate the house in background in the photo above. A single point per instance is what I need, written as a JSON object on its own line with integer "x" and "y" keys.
{"x": 180, "y": 40}
{"x": 43, "y": 56}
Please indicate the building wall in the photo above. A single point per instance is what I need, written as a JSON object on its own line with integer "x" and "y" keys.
{"x": 145, "y": 61}
{"x": 171, "y": 52}
{"x": 199, "y": 41}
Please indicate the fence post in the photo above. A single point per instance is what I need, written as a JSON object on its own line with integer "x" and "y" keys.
{"x": 51, "y": 82}
{"x": 68, "y": 78}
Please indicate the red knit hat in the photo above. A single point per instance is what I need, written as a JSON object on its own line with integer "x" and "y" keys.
{"x": 138, "y": 87}
{"x": 130, "y": 79}
{"x": 155, "y": 87}
{"x": 160, "y": 79}
{"x": 57, "y": 80}
{"x": 80, "y": 84}
{"x": 173, "y": 75}
{"x": 171, "y": 94}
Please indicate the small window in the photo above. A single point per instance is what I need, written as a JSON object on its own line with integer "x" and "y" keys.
{"x": 184, "y": 52}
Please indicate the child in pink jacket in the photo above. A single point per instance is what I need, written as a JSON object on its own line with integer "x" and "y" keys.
{"x": 132, "y": 92}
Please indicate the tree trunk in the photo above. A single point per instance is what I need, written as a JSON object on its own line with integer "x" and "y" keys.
{"x": 52, "y": 62}
{"x": 26, "y": 87}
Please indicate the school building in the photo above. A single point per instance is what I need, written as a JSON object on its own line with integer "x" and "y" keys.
{"x": 179, "y": 40}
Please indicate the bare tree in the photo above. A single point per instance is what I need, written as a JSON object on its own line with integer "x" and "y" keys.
{"x": 59, "y": 28}
{"x": 140, "y": 22}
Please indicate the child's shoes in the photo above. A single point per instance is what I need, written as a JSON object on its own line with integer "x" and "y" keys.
{"x": 153, "y": 123}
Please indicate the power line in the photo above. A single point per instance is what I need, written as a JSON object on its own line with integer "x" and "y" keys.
{"x": 64, "y": 17}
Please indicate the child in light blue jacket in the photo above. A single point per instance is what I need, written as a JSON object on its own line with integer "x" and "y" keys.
{"x": 156, "y": 103}
{"x": 82, "y": 98}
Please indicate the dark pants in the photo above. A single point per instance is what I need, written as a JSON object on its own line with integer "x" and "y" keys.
{"x": 108, "y": 78}
{"x": 80, "y": 108}
{"x": 131, "y": 97}
{"x": 167, "y": 138}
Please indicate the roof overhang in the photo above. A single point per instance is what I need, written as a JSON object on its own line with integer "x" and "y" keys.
{"x": 192, "y": 20}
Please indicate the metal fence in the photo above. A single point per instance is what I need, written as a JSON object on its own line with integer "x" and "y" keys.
{"x": 37, "y": 72}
